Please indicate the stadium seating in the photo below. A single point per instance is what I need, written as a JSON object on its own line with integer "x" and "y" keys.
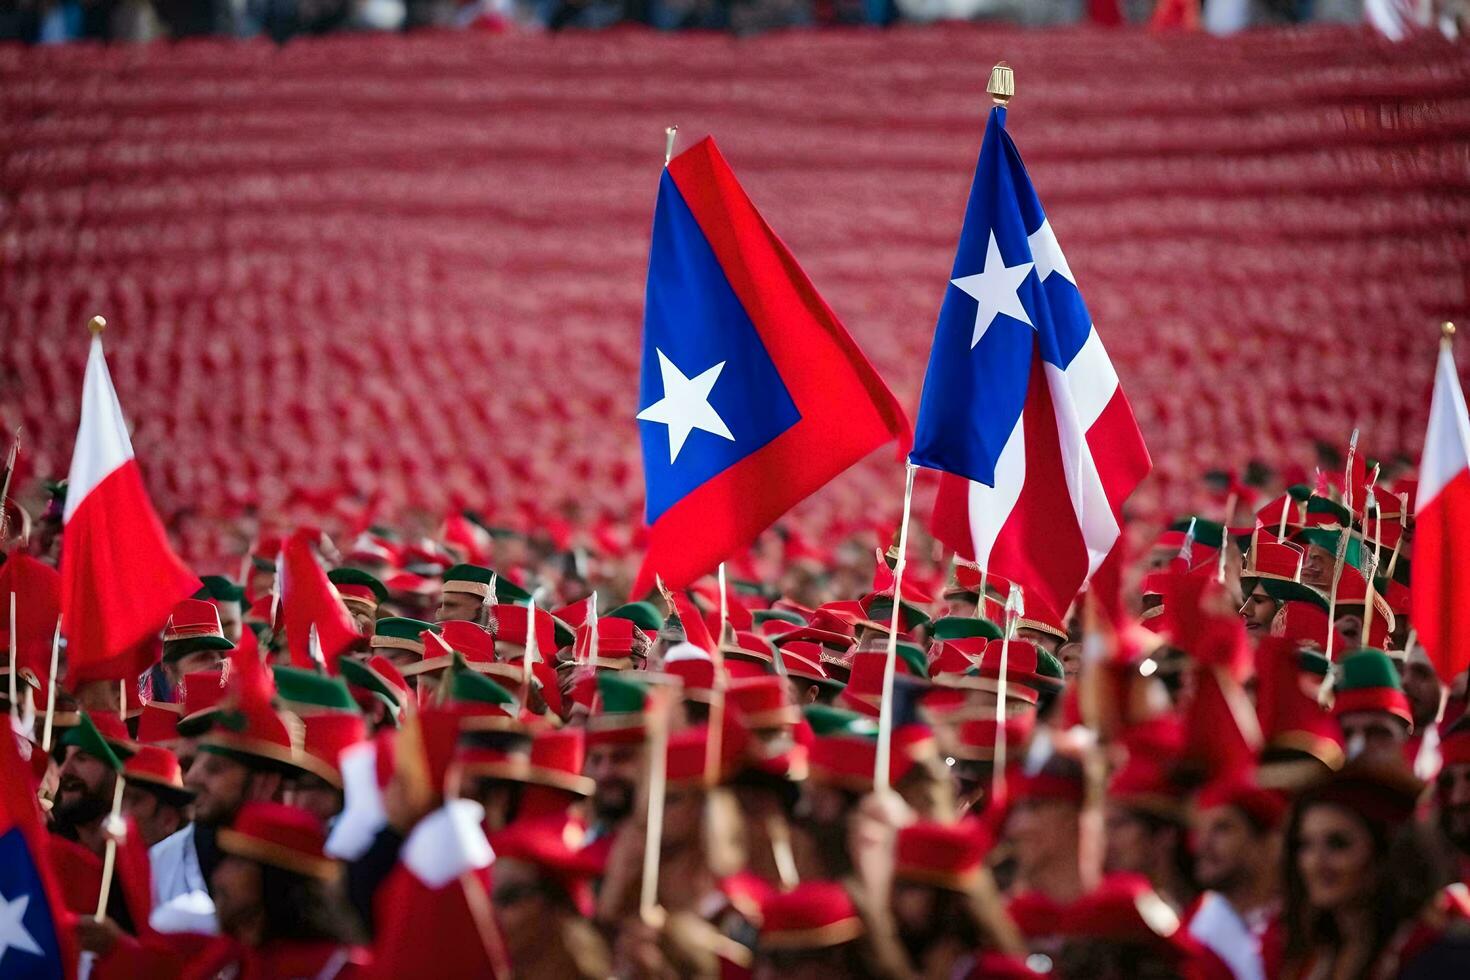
{"x": 406, "y": 272}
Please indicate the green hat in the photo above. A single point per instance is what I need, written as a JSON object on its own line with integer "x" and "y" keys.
{"x": 1321, "y": 505}
{"x": 359, "y": 673}
{"x": 645, "y": 616}
{"x": 880, "y": 610}
{"x": 827, "y": 721}
{"x": 475, "y": 688}
{"x": 361, "y": 580}
{"x": 784, "y": 615}
{"x": 475, "y": 580}
{"x": 913, "y": 655}
{"x": 307, "y": 692}
{"x": 963, "y": 627}
{"x": 1285, "y": 590}
{"x": 88, "y": 739}
{"x": 1048, "y": 666}
{"x": 1211, "y": 534}
{"x": 400, "y": 633}
{"x": 1327, "y": 539}
{"x": 220, "y": 589}
{"x": 1369, "y": 681}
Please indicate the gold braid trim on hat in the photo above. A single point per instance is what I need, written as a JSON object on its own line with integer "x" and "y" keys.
{"x": 231, "y": 841}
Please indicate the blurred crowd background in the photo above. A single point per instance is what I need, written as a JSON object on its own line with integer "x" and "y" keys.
{"x": 56, "y": 21}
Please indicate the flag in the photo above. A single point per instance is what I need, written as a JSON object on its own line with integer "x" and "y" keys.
{"x": 309, "y": 599}
{"x": 119, "y": 576}
{"x": 1021, "y": 407}
{"x": 37, "y": 588}
{"x": 34, "y": 944}
{"x": 1441, "y": 574}
{"x": 753, "y": 395}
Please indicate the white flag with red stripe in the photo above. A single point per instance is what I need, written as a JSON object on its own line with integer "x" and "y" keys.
{"x": 119, "y": 576}
{"x": 1441, "y": 585}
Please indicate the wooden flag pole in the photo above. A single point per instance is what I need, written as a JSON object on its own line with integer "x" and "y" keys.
{"x": 1015, "y": 606}
{"x": 654, "y": 831}
{"x": 531, "y": 652}
{"x": 1393, "y": 558}
{"x": 1338, "y": 561}
{"x": 591, "y": 621}
{"x": 114, "y": 828}
{"x": 14, "y": 698}
{"x": 724, "y": 606}
{"x": 51, "y": 687}
{"x": 885, "y": 710}
{"x": 5, "y": 489}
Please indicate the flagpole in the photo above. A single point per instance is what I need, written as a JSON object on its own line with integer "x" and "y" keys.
{"x": 1338, "y": 561}
{"x": 1393, "y": 558}
{"x": 13, "y": 696}
{"x": 724, "y": 606}
{"x": 591, "y": 621}
{"x": 1014, "y": 606}
{"x": 654, "y": 830}
{"x": 5, "y": 490}
{"x": 885, "y": 710}
{"x": 671, "y": 134}
{"x": 530, "y": 652}
{"x": 51, "y": 687}
{"x": 113, "y": 826}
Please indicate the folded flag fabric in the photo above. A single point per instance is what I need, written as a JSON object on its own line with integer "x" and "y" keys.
{"x": 34, "y": 942}
{"x": 1441, "y": 593}
{"x": 1021, "y": 407}
{"x": 753, "y": 395}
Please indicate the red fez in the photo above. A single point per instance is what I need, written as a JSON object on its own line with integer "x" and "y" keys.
{"x": 159, "y": 722}
{"x": 556, "y": 761}
{"x": 813, "y": 915}
{"x": 763, "y": 702}
{"x": 282, "y": 836}
{"x": 326, "y": 736}
{"x": 943, "y": 855}
{"x": 511, "y": 628}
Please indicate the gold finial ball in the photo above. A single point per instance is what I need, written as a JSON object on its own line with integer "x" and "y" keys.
{"x": 1002, "y": 83}
{"x": 97, "y": 324}
{"x": 1447, "y": 329}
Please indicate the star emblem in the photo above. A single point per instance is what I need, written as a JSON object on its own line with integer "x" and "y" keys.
{"x": 13, "y": 932}
{"x": 685, "y": 405}
{"x": 995, "y": 288}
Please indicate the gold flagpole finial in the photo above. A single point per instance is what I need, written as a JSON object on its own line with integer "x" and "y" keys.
{"x": 1002, "y": 83}
{"x": 97, "y": 324}
{"x": 670, "y": 135}
{"x": 1447, "y": 330}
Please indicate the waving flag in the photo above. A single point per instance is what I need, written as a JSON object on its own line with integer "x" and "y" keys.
{"x": 33, "y": 943}
{"x": 753, "y": 395}
{"x": 1021, "y": 407}
{"x": 1441, "y": 586}
{"x": 310, "y": 600}
{"x": 119, "y": 577}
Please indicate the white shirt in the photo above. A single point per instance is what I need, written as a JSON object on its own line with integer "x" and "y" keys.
{"x": 181, "y": 901}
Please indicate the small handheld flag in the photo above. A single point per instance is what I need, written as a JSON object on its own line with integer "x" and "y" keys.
{"x": 753, "y": 394}
{"x": 1021, "y": 408}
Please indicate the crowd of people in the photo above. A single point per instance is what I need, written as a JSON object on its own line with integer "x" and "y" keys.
{"x": 54, "y": 21}
{"x": 417, "y": 758}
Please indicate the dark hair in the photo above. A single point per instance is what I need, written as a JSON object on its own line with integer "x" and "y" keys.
{"x": 301, "y": 908}
{"x": 1409, "y": 867}
{"x": 1182, "y": 858}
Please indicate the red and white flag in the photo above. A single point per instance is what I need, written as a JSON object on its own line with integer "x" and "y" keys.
{"x": 119, "y": 576}
{"x": 1441, "y": 586}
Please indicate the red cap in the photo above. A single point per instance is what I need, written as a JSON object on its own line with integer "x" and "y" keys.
{"x": 192, "y": 619}
{"x": 512, "y": 628}
{"x": 1265, "y": 808}
{"x": 282, "y": 836}
{"x": 159, "y": 722}
{"x": 698, "y": 675}
{"x": 943, "y": 855}
{"x": 813, "y": 915}
{"x": 556, "y": 761}
{"x": 803, "y": 660}
{"x": 327, "y": 735}
{"x": 749, "y": 646}
{"x": 472, "y": 641}
{"x": 1125, "y": 909}
{"x": 763, "y": 702}
{"x": 155, "y": 766}
{"x": 849, "y": 761}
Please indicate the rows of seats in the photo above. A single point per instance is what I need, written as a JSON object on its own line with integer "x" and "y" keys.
{"x": 410, "y": 269}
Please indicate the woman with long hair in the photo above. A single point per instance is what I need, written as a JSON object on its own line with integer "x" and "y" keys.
{"x": 1363, "y": 883}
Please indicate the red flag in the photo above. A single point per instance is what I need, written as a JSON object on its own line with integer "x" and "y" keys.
{"x": 37, "y": 588}
{"x": 119, "y": 576}
{"x": 309, "y": 599}
{"x": 1441, "y": 586}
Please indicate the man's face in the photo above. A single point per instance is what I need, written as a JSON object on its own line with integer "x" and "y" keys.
{"x": 1041, "y": 829}
{"x": 519, "y": 897}
{"x": 316, "y": 796}
{"x": 1317, "y": 567}
{"x": 1224, "y": 841}
{"x": 231, "y": 620}
{"x": 1044, "y": 640}
{"x": 220, "y": 786}
{"x": 1453, "y": 793}
{"x": 616, "y": 769}
{"x": 460, "y": 605}
{"x": 362, "y": 617}
{"x": 1130, "y": 845}
{"x": 1258, "y": 611}
{"x": 239, "y": 900}
{"x": 84, "y": 789}
{"x": 154, "y": 818}
{"x": 1373, "y": 735}
{"x": 915, "y": 912}
{"x": 1422, "y": 688}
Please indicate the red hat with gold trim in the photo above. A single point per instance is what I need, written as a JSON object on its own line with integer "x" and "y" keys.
{"x": 556, "y": 760}
{"x": 803, "y": 661}
{"x": 1041, "y": 619}
{"x": 697, "y": 675}
{"x": 814, "y": 915}
{"x": 156, "y": 769}
{"x": 948, "y": 856}
{"x": 193, "y": 625}
{"x": 281, "y": 836}
{"x": 750, "y": 646}
{"x": 473, "y": 642}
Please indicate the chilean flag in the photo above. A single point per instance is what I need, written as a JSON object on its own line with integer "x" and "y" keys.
{"x": 34, "y": 942}
{"x": 119, "y": 577}
{"x": 1441, "y": 572}
{"x": 753, "y": 395}
{"x": 1021, "y": 407}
